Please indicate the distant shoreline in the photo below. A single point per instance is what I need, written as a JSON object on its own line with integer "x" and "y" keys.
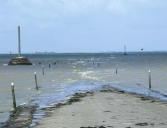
{"x": 85, "y": 53}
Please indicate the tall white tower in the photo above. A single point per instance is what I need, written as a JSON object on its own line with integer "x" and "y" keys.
{"x": 19, "y": 42}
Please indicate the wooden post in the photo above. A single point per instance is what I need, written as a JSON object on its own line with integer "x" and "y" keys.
{"x": 149, "y": 78}
{"x": 125, "y": 52}
{"x": 116, "y": 71}
{"x": 36, "y": 82}
{"x": 43, "y": 72}
{"x": 13, "y": 96}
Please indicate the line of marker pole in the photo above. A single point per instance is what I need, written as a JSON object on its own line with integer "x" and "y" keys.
{"x": 13, "y": 90}
{"x": 36, "y": 84}
{"x": 149, "y": 77}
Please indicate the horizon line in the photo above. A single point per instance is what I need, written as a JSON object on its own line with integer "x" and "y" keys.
{"x": 13, "y": 53}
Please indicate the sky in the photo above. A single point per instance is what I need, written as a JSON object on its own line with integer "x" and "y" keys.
{"x": 83, "y": 25}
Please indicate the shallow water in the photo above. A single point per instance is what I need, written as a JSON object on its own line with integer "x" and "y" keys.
{"x": 80, "y": 72}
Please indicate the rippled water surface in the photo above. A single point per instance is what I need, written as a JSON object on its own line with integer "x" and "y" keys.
{"x": 80, "y": 72}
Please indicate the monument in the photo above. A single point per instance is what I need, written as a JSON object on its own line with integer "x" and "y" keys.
{"x": 19, "y": 60}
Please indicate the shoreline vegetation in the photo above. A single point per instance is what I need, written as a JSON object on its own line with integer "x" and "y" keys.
{"x": 105, "y": 108}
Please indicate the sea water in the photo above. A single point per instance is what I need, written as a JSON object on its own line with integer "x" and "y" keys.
{"x": 80, "y": 72}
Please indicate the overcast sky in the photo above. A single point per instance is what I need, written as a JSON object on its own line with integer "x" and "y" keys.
{"x": 83, "y": 25}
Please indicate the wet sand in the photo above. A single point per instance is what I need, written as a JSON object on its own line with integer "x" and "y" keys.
{"x": 20, "y": 118}
{"x": 107, "y": 109}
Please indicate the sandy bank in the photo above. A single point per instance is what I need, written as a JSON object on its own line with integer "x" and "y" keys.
{"x": 108, "y": 109}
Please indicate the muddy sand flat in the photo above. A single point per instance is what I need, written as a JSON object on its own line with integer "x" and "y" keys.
{"x": 108, "y": 110}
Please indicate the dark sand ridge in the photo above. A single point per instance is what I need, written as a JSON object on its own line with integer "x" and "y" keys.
{"x": 106, "y": 109}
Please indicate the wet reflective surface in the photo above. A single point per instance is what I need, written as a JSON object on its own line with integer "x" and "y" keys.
{"x": 79, "y": 72}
